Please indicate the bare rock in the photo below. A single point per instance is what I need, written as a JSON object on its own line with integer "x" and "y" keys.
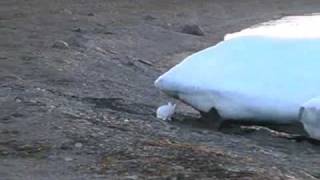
{"x": 60, "y": 45}
{"x": 192, "y": 29}
{"x": 68, "y": 159}
{"x": 78, "y": 145}
{"x": 149, "y": 18}
{"x": 77, "y": 29}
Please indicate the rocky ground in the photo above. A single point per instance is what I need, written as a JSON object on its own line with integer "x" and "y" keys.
{"x": 77, "y": 97}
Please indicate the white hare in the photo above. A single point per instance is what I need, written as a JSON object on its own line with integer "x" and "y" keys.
{"x": 165, "y": 112}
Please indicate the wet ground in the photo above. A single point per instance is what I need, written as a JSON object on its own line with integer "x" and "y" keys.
{"x": 77, "y": 96}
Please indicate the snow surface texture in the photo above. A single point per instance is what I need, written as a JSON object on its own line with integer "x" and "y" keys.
{"x": 165, "y": 112}
{"x": 257, "y": 77}
{"x": 310, "y": 117}
{"x": 287, "y": 27}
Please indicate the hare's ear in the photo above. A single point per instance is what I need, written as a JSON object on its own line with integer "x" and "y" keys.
{"x": 169, "y": 103}
{"x": 174, "y": 105}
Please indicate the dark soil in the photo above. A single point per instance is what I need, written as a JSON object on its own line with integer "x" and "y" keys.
{"x": 77, "y": 96}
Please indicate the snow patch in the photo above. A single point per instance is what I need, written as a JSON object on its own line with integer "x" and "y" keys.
{"x": 254, "y": 74}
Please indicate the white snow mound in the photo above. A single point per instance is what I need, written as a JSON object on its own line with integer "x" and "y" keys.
{"x": 254, "y": 77}
{"x": 287, "y": 27}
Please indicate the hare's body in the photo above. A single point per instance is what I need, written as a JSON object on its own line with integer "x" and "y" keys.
{"x": 165, "y": 112}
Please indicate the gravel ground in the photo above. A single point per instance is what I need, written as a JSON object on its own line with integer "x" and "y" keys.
{"x": 77, "y": 96}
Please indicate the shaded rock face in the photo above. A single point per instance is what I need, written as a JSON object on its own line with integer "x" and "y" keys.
{"x": 192, "y": 29}
{"x": 78, "y": 102}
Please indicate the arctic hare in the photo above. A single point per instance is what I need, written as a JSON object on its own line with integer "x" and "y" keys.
{"x": 165, "y": 112}
{"x": 309, "y": 116}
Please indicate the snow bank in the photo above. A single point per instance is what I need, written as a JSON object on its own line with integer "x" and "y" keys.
{"x": 247, "y": 76}
{"x": 288, "y": 27}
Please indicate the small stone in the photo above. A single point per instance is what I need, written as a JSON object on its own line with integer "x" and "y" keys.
{"x": 101, "y": 133}
{"x": 126, "y": 120}
{"x": 91, "y": 152}
{"x": 94, "y": 135}
{"x": 60, "y": 45}
{"x": 96, "y": 129}
{"x": 65, "y": 145}
{"x": 52, "y": 157}
{"x": 193, "y": 30}
{"x": 172, "y": 178}
{"x": 149, "y": 18}
{"x": 18, "y": 100}
{"x": 178, "y": 168}
{"x": 108, "y": 32}
{"x": 131, "y": 177}
{"x": 78, "y": 145}
{"x": 4, "y": 153}
{"x": 68, "y": 159}
{"x": 90, "y": 14}
{"x": 77, "y": 30}
{"x": 40, "y": 89}
{"x": 33, "y": 101}
{"x": 179, "y": 176}
{"x": 67, "y": 11}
